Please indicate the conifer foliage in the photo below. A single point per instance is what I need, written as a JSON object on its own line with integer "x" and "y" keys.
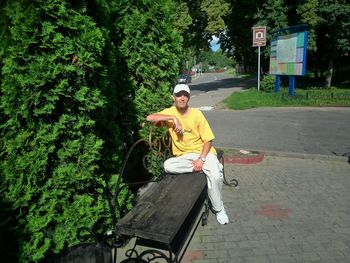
{"x": 51, "y": 93}
{"x": 77, "y": 79}
{"x": 151, "y": 48}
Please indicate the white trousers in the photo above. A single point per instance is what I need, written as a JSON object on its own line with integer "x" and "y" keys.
{"x": 212, "y": 168}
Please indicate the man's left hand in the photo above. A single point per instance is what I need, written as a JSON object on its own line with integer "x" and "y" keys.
{"x": 197, "y": 165}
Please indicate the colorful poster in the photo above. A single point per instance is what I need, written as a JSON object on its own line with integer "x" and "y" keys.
{"x": 286, "y": 51}
{"x": 288, "y": 54}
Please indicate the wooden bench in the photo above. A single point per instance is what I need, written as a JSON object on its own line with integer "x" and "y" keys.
{"x": 166, "y": 215}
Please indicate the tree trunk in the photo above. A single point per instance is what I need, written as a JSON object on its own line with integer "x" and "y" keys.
{"x": 329, "y": 73}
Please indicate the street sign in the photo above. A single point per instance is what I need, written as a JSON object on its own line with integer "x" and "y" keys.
{"x": 259, "y": 36}
{"x": 259, "y": 40}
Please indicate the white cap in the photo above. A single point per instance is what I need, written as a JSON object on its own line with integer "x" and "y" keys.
{"x": 181, "y": 87}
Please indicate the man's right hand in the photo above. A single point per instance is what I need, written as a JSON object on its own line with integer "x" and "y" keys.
{"x": 197, "y": 165}
{"x": 177, "y": 126}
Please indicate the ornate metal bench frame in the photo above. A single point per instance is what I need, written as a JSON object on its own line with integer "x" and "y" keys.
{"x": 160, "y": 148}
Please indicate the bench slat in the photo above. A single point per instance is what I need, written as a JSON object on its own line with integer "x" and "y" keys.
{"x": 162, "y": 209}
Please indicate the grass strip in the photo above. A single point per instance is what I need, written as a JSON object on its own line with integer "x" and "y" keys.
{"x": 312, "y": 97}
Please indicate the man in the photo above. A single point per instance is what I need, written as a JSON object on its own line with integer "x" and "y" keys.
{"x": 192, "y": 146}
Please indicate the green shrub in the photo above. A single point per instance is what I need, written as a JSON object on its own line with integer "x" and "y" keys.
{"x": 77, "y": 80}
{"x": 268, "y": 83}
{"x": 52, "y": 94}
{"x": 151, "y": 48}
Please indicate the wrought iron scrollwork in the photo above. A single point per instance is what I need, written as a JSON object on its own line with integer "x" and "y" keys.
{"x": 147, "y": 256}
{"x": 232, "y": 182}
{"x": 159, "y": 149}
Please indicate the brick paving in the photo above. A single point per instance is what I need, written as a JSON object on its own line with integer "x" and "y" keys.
{"x": 286, "y": 209}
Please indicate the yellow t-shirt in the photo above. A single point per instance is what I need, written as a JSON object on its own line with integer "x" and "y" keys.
{"x": 196, "y": 131}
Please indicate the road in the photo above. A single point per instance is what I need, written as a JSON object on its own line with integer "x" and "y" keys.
{"x": 211, "y": 88}
{"x": 304, "y": 130}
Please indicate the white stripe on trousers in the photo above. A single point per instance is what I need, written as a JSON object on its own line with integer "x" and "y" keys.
{"x": 212, "y": 168}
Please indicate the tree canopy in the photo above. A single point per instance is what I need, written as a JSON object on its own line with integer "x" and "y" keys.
{"x": 328, "y": 22}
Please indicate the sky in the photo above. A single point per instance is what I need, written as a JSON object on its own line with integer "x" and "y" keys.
{"x": 214, "y": 45}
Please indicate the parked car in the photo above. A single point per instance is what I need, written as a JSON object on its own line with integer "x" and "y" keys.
{"x": 184, "y": 78}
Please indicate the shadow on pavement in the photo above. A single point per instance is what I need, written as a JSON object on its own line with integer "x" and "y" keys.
{"x": 223, "y": 84}
{"x": 347, "y": 155}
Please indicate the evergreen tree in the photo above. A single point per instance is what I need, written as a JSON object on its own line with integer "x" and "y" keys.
{"x": 116, "y": 122}
{"x": 51, "y": 95}
{"x": 78, "y": 79}
{"x": 151, "y": 48}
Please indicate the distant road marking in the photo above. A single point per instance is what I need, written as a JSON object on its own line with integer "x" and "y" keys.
{"x": 205, "y": 108}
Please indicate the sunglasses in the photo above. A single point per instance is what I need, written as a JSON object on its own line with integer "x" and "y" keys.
{"x": 179, "y": 94}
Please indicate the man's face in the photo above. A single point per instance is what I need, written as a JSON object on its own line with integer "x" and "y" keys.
{"x": 181, "y": 99}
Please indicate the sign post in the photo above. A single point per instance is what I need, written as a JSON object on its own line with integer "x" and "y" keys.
{"x": 259, "y": 68}
{"x": 259, "y": 40}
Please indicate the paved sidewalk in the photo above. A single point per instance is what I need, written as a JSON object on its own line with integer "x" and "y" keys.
{"x": 291, "y": 207}
{"x": 287, "y": 209}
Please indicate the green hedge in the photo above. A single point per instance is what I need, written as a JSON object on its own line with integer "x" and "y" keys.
{"x": 77, "y": 80}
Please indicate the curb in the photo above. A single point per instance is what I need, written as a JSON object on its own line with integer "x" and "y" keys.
{"x": 251, "y": 159}
{"x": 307, "y": 156}
{"x": 248, "y": 157}
{"x": 232, "y": 155}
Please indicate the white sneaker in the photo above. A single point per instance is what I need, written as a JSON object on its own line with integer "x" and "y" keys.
{"x": 222, "y": 217}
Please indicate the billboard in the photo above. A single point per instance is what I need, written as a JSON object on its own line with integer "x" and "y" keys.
{"x": 288, "y": 54}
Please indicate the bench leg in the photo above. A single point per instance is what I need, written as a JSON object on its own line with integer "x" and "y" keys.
{"x": 205, "y": 213}
{"x": 149, "y": 255}
{"x": 153, "y": 255}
